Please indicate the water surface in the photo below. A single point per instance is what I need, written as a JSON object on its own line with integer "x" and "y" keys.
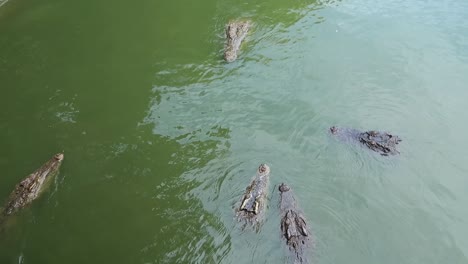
{"x": 161, "y": 136}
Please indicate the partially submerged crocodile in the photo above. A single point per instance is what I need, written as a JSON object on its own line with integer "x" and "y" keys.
{"x": 293, "y": 225}
{"x": 235, "y": 34}
{"x": 381, "y": 142}
{"x": 31, "y": 187}
{"x": 253, "y": 202}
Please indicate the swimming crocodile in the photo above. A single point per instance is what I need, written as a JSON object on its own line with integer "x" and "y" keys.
{"x": 253, "y": 202}
{"x": 235, "y": 34}
{"x": 293, "y": 225}
{"x": 381, "y": 142}
{"x": 31, "y": 187}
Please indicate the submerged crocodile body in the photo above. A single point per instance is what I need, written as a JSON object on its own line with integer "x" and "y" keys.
{"x": 30, "y": 188}
{"x": 235, "y": 34}
{"x": 253, "y": 202}
{"x": 381, "y": 142}
{"x": 293, "y": 225}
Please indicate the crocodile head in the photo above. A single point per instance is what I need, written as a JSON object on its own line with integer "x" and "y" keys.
{"x": 41, "y": 177}
{"x": 255, "y": 195}
{"x": 31, "y": 186}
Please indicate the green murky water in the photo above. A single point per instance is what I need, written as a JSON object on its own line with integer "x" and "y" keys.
{"x": 161, "y": 136}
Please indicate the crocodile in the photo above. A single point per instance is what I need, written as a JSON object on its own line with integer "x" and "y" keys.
{"x": 381, "y": 142}
{"x": 253, "y": 202}
{"x": 293, "y": 225}
{"x": 32, "y": 186}
{"x": 235, "y": 34}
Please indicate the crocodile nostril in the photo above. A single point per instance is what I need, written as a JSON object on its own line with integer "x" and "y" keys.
{"x": 284, "y": 188}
